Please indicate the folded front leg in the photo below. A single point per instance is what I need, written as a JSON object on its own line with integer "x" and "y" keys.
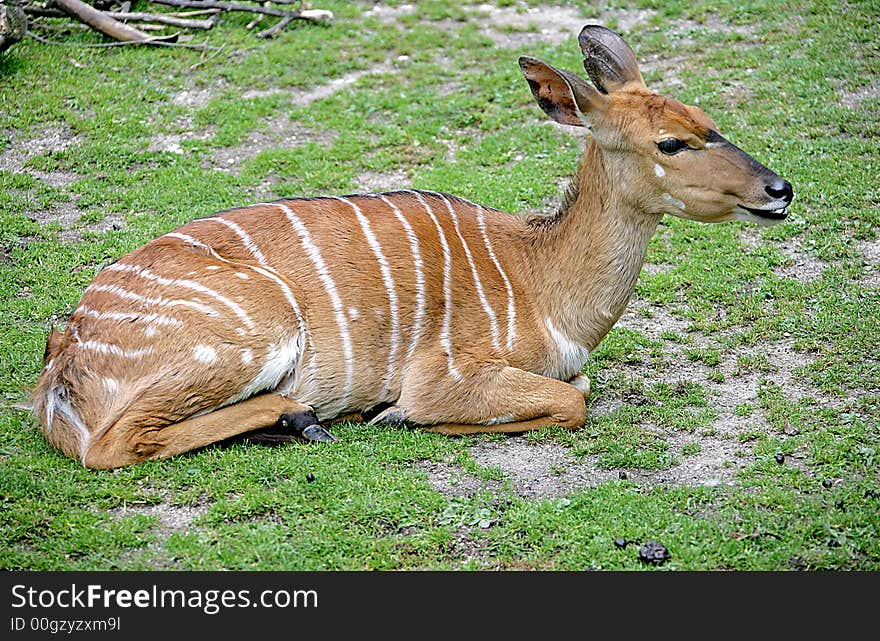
{"x": 485, "y": 397}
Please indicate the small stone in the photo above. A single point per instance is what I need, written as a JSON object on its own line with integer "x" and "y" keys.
{"x": 839, "y": 504}
{"x": 621, "y": 543}
{"x": 622, "y": 475}
{"x": 310, "y": 477}
{"x": 827, "y": 483}
{"x": 654, "y": 553}
{"x": 780, "y": 458}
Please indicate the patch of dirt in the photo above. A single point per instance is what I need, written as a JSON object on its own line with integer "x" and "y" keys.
{"x": 171, "y": 519}
{"x": 871, "y": 251}
{"x": 195, "y": 98}
{"x": 389, "y": 14}
{"x": 46, "y": 141}
{"x": 375, "y": 182}
{"x": 465, "y": 549}
{"x": 654, "y": 320}
{"x": 801, "y": 265}
{"x": 711, "y": 23}
{"x": 545, "y": 24}
{"x": 668, "y": 68}
{"x": 552, "y": 471}
{"x": 304, "y": 98}
{"x": 281, "y": 132}
{"x": 171, "y": 142}
{"x": 854, "y": 99}
{"x": 68, "y": 216}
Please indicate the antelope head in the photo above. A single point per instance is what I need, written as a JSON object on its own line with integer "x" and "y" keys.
{"x": 665, "y": 157}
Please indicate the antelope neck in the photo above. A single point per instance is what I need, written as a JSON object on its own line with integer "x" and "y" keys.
{"x": 586, "y": 263}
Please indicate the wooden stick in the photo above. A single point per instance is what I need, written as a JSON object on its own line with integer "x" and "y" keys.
{"x": 161, "y": 19}
{"x": 313, "y": 14}
{"x": 159, "y": 41}
{"x": 194, "y": 12}
{"x": 101, "y": 22}
{"x": 276, "y": 28}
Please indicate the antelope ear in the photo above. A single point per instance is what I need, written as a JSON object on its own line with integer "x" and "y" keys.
{"x": 609, "y": 61}
{"x": 562, "y": 95}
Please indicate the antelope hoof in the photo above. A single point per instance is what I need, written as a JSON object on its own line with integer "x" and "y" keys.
{"x": 317, "y": 433}
{"x": 394, "y": 417}
{"x": 305, "y": 425}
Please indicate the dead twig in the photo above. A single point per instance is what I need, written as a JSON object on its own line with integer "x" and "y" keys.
{"x": 314, "y": 15}
{"x": 156, "y": 41}
{"x": 160, "y": 18}
{"x": 102, "y": 22}
{"x": 276, "y": 28}
{"x": 203, "y": 60}
{"x": 755, "y": 535}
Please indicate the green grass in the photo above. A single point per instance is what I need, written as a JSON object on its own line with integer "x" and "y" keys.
{"x": 726, "y": 312}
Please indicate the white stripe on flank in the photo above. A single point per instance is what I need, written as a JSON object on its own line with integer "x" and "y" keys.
{"x": 116, "y": 290}
{"x": 388, "y": 280}
{"x": 188, "y": 239}
{"x": 511, "y": 307}
{"x": 241, "y": 233}
{"x": 314, "y": 255}
{"x": 420, "y": 277}
{"x": 493, "y": 321}
{"x": 155, "y": 319}
{"x": 266, "y": 271}
{"x": 115, "y": 350}
{"x": 445, "y": 332}
{"x": 143, "y": 272}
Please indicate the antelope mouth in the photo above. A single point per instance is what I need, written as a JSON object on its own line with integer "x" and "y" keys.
{"x": 772, "y": 214}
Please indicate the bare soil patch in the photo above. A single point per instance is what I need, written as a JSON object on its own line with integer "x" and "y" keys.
{"x": 855, "y": 99}
{"x": 280, "y": 131}
{"x": 66, "y": 214}
{"x": 871, "y": 252}
{"x": 518, "y": 26}
{"x": 712, "y": 456}
{"x": 374, "y": 182}
{"x": 801, "y": 265}
{"x": 46, "y": 141}
{"x": 171, "y": 519}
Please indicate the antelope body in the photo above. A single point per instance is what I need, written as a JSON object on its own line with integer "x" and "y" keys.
{"x": 419, "y": 308}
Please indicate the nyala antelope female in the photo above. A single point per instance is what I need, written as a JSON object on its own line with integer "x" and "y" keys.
{"x": 416, "y": 308}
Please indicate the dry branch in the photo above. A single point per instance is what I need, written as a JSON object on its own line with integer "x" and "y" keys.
{"x": 113, "y": 23}
{"x": 161, "y": 18}
{"x": 102, "y": 22}
{"x": 314, "y": 15}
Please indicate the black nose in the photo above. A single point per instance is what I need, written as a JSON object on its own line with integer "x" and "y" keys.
{"x": 780, "y": 188}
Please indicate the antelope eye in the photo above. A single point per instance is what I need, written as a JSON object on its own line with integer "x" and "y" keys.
{"x": 671, "y": 146}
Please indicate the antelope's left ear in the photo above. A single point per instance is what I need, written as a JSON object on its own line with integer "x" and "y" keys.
{"x": 562, "y": 95}
{"x": 609, "y": 61}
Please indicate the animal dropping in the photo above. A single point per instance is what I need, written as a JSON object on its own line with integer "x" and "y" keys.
{"x": 435, "y": 312}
